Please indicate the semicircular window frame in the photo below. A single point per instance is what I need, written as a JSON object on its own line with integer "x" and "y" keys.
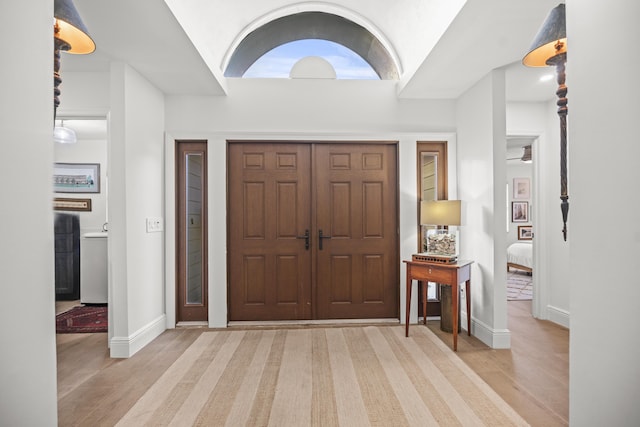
{"x": 312, "y": 25}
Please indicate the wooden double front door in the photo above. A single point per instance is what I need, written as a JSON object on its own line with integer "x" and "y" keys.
{"x": 313, "y": 231}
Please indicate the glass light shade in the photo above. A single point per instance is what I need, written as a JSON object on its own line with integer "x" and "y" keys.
{"x": 63, "y": 135}
{"x": 440, "y": 212}
{"x": 551, "y": 40}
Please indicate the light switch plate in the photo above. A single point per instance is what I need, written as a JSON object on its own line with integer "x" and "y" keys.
{"x": 154, "y": 224}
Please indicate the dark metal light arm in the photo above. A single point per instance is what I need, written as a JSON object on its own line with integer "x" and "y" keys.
{"x": 563, "y": 110}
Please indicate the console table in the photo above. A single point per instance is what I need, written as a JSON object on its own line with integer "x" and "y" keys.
{"x": 448, "y": 274}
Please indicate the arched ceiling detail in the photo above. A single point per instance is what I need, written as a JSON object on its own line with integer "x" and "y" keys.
{"x": 312, "y": 25}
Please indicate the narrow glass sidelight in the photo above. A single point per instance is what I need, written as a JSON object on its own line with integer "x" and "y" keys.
{"x": 193, "y": 228}
{"x": 191, "y": 231}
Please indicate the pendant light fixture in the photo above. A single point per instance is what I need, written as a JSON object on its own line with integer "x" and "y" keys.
{"x": 64, "y": 135}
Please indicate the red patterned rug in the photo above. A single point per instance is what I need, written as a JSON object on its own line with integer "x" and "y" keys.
{"x": 82, "y": 319}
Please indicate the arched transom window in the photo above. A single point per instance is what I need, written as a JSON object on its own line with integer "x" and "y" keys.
{"x": 274, "y": 48}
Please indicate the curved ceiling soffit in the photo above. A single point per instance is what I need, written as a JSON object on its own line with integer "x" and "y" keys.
{"x": 312, "y": 25}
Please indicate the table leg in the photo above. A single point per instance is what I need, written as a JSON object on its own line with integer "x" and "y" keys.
{"x": 408, "y": 301}
{"x": 468, "y": 298}
{"x": 454, "y": 313}
{"x": 424, "y": 301}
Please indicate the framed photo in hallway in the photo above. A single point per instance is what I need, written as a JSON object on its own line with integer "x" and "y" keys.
{"x": 519, "y": 211}
{"x": 521, "y": 188}
{"x": 525, "y": 232}
{"x": 65, "y": 204}
{"x": 76, "y": 177}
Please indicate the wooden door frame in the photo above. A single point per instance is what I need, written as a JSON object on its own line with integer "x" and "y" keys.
{"x": 442, "y": 191}
{"x": 179, "y": 207}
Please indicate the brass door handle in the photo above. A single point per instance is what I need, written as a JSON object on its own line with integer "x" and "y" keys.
{"x": 306, "y": 238}
{"x": 320, "y": 237}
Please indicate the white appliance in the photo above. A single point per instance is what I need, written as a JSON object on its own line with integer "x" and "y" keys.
{"x": 93, "y": 268}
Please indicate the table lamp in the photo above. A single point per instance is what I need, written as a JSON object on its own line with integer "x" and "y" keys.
{"x": 441, "y": 244}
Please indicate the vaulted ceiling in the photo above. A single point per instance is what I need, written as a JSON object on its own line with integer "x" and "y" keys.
{"x": 442, "y": 47}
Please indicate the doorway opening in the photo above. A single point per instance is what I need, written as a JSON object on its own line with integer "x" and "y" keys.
{"x": 80, "y": 212}
{"x": 313, "y": 231}
{"x": 521, "y": 195}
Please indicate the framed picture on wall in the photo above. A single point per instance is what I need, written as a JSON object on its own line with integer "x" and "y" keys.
{"x": 519, "y": 211}
{"x": 525, "y": 232}
{"x": 76, "y": 177}
{"x": 521, "y": 188}
{"x": 65, "y": 204}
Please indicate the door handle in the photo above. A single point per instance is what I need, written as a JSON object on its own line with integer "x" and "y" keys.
{"x": 320, "y": 237}
{"x": 306, "y": 238}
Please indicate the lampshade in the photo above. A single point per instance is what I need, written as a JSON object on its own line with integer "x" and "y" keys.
{"x": 440, "y": 212}
{"x": 70, "y": 28}
{"x": 526, "y": 155}
{"x": 551, "y": 40}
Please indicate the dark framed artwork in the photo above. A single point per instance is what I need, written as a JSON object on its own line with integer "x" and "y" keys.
{"x": 519, "y": 211}
{"x": 525, "y": 232}
{"x": 65, "y": 204}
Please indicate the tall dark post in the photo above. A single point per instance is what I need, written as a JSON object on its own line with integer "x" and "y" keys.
{"x": 559, "y": 61}
{"x": 550, "y": 48}
{"x": 58, "y": 45}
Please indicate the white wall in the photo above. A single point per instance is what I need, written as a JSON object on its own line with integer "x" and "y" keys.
{"x": 555, "y": 304}
{"x": 301, "y": 110}
{"x": 136, "y": 171}
{"x": 319, "y": 106}
{"x": 27, "y": 337}
{"x": 604, "y": 230}
{"x": 481, "y": 120}
{"x": 84, "y": 94}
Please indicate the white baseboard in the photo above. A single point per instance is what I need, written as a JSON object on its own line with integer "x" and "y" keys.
{"x": 494, "y": 338}
{"x": 124, "y": 347}
{"x": 558, "y": 315}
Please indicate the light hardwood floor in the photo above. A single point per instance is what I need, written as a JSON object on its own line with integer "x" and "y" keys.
{"x": 533, "y": 376}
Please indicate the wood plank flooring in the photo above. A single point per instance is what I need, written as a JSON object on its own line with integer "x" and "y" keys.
{"x": 533, "y": 376}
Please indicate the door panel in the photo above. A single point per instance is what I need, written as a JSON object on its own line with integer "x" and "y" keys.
{"x": 348, "y": 266}
{"x": 269, "y": 209}
{"x": 356, "y": 204}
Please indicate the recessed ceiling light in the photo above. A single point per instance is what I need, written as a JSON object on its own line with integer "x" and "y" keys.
{"x": 546, "y": 77}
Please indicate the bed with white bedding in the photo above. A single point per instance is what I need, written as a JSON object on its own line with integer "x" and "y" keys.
{"x": 520, "y": 256}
